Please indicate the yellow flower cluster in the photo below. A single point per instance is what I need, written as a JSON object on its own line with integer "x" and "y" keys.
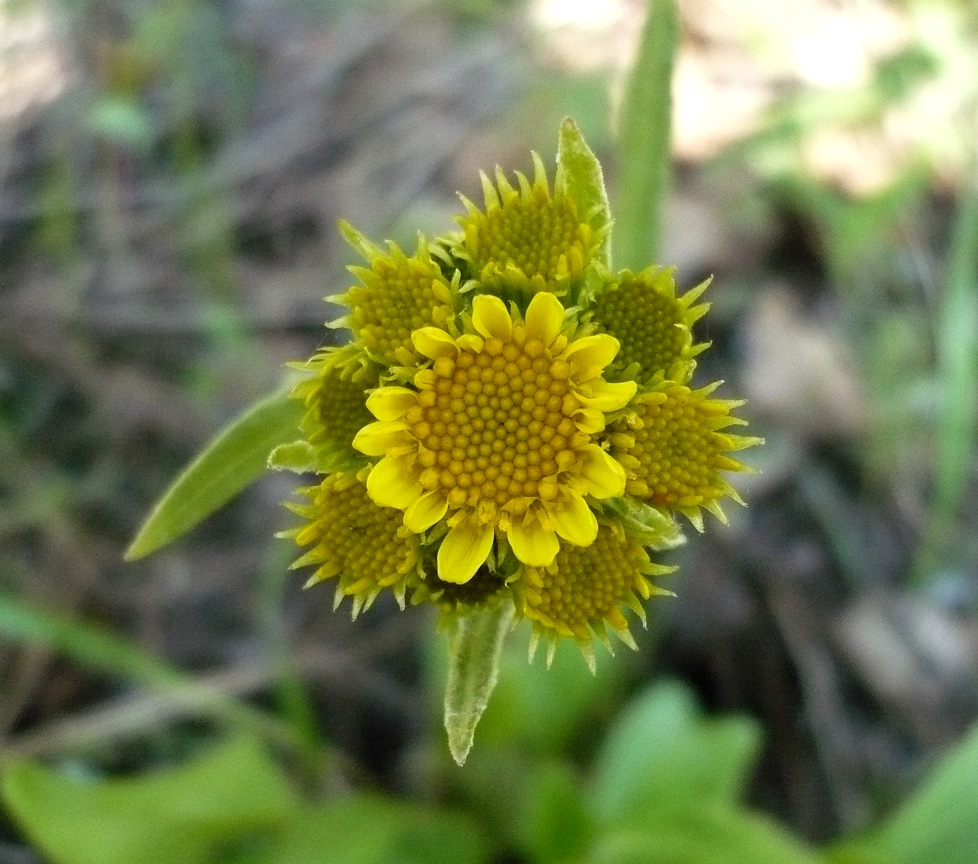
{"x": 511, "y": 421}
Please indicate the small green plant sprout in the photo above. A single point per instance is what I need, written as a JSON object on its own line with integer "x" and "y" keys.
{"x": 511, "y": 431}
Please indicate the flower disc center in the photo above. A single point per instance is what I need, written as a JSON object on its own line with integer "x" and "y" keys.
{"x": 496, "y": 425}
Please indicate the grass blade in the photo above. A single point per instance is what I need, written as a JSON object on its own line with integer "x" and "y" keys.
{"x": 94, "y": 647}
{"x": 644, "y": 141}
{"x": 957, "y": 369}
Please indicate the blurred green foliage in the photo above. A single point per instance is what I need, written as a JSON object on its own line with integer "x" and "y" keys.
{"x": 665, "y": 786}
{"x": 230, "y": 804}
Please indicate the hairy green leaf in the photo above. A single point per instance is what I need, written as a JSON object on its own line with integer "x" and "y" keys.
{"x": 583, "y": 180}
{"x": 475, "y": 643}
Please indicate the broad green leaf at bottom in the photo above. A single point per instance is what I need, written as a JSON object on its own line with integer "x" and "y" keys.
{"x": 180, "y": 814}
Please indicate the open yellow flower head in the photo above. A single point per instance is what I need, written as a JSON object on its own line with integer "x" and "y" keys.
{"x": 336, "y": 401}
{"x": 511, "y": 426}
{"x": 527, "y": 240}
{"x": 652, "y": 324}
{"x": 499, "y": 434}
{"x": 397, "y": 295}
{"x": 581, "y": 594}
{"x": 354, "y": 539}
{"x": 673, "y": 447}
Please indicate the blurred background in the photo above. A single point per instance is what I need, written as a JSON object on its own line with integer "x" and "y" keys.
{"x": 171, "y": 174}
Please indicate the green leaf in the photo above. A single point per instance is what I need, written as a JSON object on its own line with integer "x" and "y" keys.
{"x": 940, "y": 822}
{"x": 701, "y": 835}
{"x": 234, "y": 795}
{"x": 475, "y": 642}
{"x": 580, "y": 173}
{"x": 660, "y": 754}
{"x": 644, "y": 142}
{"x": 553, "y": 820}
{"x": 374, "y": 830}
{"x": 854, "y": 852}
{"x": 233, "y": 460}
{"x": 493, "y": 786}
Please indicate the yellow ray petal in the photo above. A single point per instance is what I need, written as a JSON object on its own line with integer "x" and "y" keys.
{"x": 426, "y": 511}
{"x": 424, "y": 379}
{"x": 391, "y": 483}
{"x": 391, "y": 403}
{"x": 574, "y": 521}
{"x": 591, "y": 354}
{"x": 544, "y": 318}
{"x": 531, "y": 542}
{"x": 434, "y": 343}
{"x": 605, "y": 477}
{"x": 588, "y": 420}
{"x": 470, "y": 342}
{"x": 377, "y": 439}
{"x": 490, "y": 317}
{"x": 463, "y": 551}
{"x": 606, "y": 396}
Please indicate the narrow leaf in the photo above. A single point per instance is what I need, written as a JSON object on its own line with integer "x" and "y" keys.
{"x": 644, "y": 141}
{"x": 232, "y": 461}
{"x": 98, "y": 648}
{"x": 475, "y": 643}
{"x": 84, "y": 643}
{"x": 957, "y": 369}
{"x": 580, "y": 172}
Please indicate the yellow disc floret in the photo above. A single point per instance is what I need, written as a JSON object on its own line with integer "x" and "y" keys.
{"x": 498, "y": 433}
{"x": 353, "y": 538}
{"x": 585, "y": 588}
{"x": 673, "y": 447}
{"x": 642, "y": 311}
{"x": 398, "y": 294}
{"x": 526, "y": 239}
